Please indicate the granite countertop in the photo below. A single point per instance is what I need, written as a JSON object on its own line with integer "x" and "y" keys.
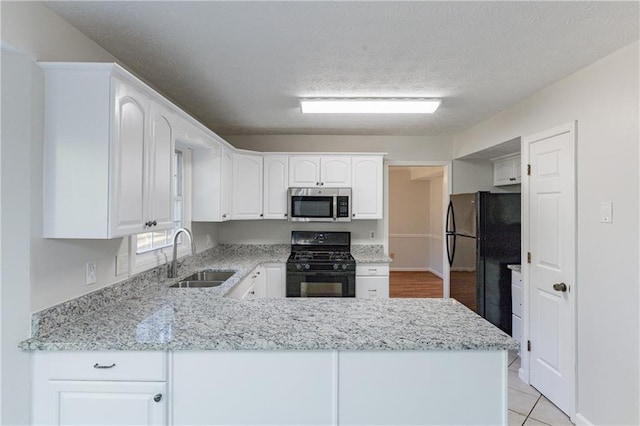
{"x": 148, "y": 315}
{"x": 516, "y": 268}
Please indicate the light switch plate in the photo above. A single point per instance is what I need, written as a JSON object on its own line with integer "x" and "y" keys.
{"x": 122, "y": 264}
{"x": 606, "y": 212}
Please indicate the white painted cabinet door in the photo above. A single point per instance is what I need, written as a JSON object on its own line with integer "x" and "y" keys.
{"x": 367, "y": 187}
{"x": 226, "y": 183}
{"x": 372, "y": 287}
{"x": 275, "y": 275}
{"x": 246, "y": 197}
{"x": 276, "y": 182}
{"x": 506, "y": 171}
{"x": 253, "y": 388}
{"x": 128, "y": 157}
{"x": 304, "y": 171}
{"x": 160, "y": 169}
{"x": 107, "y": 403}
{"x": 335, "y": 171}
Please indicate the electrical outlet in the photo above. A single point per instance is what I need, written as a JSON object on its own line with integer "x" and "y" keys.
{"x": 372, "y": 235}
{"x": 90, "y": 273}
{"x": 122, "y": 264}
{"x": 392, "y": 255}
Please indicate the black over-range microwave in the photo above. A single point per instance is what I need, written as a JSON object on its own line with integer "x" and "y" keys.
{"x": 319, "y": 204}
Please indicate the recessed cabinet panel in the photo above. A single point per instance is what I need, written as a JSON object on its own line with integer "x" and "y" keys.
{"x": 276, "y": 182}
{"x": 211, "y": 181}
{"x": 107, "y": 403}
{"x": 367, "y": 187}
{"x": 335, "y": 171}
{"x": 304, "y": 171}
{"x": 507, "y": 170}
{"x": 128, "y": 168}
{"x": 247, "y": 187}
{"x": 160, "y": 169}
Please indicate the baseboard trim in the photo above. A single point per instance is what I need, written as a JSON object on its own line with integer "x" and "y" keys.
{"x": 581, "y": 420}
{"x": 436, "y": 273}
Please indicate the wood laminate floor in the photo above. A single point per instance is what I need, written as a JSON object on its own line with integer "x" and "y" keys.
{"x": 414, "y": 284}
{"x": 425, "y": 284}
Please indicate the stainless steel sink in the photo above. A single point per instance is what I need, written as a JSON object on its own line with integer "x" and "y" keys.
{"x": 196, "y": 284}
{"x": 203, "y": 279}
{"x": 208, "y": 275}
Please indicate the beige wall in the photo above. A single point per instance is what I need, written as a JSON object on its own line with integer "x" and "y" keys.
{"x": 604, "y": 99}
{"x": 416, "y": 211}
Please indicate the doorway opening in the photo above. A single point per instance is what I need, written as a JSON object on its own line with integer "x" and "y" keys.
{"x": 417, "y": 197}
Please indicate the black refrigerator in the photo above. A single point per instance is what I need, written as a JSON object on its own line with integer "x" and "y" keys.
{"x": 483, "y": 237}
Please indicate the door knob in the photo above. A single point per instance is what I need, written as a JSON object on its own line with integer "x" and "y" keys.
{"x": 560, "y": 287}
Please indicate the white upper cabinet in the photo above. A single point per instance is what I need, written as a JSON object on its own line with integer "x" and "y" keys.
{"x": 304, "y": 171}
{"x": 159, "y": 197}
{"x": 276, "y": 182}
{"x": 507, "y": 170}
{"x": 327, "y": 170}
{"x": 247, "y": 187}
{"x": 367, "y": 184}
{"x": 107, "y": 162}
{"x": 335, "y": 171}
{"x": 211, "y": 176}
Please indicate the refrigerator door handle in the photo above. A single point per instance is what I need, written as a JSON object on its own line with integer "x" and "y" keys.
{"x": 451, "y": 219}
{"x": 451, "y": 250}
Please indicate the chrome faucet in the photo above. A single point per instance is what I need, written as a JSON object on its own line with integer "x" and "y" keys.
{"x": 173, "y": 268}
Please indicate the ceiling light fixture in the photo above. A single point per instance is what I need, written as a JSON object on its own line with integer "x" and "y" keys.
{"x": 369, "y": 105}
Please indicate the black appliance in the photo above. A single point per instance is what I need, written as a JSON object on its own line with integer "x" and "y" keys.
{"x": 483, "y": 237}
{"x": 321, "y": 265}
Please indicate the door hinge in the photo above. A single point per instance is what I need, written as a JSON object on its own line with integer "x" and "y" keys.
{"x": 528, "y": 169}
{"x": 528, "y": 345}
{"x": 528, "y": 257}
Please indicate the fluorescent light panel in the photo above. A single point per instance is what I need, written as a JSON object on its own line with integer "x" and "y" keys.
{"x": 369, "y": 105}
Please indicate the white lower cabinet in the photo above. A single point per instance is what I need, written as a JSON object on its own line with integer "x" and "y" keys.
{"x": 253, "y": 388}
{"x": 99, "y": 388}
{"x": 275, "y": 276}
{"x": 372, "y": 281}
{"x": 107, "y": 403}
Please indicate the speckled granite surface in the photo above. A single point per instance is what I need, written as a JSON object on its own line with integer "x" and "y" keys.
{"x": 517, "y": 268}
{"x": 153, "y": 316}
{"x": 369, "y": 254}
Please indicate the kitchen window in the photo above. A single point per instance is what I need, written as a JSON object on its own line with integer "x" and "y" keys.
{"x": 152, "y": 249}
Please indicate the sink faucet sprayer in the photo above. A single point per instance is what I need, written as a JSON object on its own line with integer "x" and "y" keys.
{"x": 173, "y": 267}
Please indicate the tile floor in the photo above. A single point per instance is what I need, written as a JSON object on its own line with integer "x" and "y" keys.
{"x": 526, "y": 405}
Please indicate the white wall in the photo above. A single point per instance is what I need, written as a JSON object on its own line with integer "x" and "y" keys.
{"x": 436, "y": 225}
{"x": 604, "y": 99}
{"x": 22, "y": 118}
{"x": 420, "y": 148}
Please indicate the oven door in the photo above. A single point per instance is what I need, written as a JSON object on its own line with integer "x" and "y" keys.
{"x": 321, "y": 284}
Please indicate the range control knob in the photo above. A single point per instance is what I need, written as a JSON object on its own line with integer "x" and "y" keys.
{"x": 307, "y": 266}
{"x": 335, "y": 266}
{"x": 298, "y": 266}
{"x": 344, "y": 266}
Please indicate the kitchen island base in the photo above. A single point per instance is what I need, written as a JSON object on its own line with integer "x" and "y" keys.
{"x": 339, "y": 387}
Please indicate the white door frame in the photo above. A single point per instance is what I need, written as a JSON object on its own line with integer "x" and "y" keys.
{"x": 524, "y": 371}
{"x": 447, "y": 188}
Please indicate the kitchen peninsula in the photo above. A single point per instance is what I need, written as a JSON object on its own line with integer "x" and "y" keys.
{"x": 193, "y": 356}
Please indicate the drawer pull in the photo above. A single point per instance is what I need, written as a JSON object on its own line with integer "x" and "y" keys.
{"x": 373, "y": 270}
{"x": 157, "y": 397}
{"x": 104, "y": 366}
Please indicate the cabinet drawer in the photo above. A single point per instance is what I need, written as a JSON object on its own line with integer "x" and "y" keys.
{"x": 372, "y": 287}
{"x": 372, "y": 269}
{"x": 109, "y": 365}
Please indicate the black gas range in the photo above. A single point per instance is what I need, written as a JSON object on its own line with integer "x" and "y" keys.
{"x": 321, "y": 265}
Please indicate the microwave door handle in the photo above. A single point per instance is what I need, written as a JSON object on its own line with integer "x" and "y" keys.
{"x": 335, "y": 207}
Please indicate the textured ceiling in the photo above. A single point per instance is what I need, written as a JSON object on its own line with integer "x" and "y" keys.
{"x": 240, "y": 67}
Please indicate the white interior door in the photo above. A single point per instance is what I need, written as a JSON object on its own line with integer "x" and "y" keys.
{"x": 551, "y": 199}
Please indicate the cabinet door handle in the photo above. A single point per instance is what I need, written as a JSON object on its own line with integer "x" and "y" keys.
{"x": 154, "y": 223}
{"x": 104, "y": 366}
{"x": 157, "y": 397}
{"x": 224, "y": 216}
{"x": 317, "y": 183}
{"x": 321, "y": 183}
{"x": 261, "y": 215}
{"x": 285, "y": 215}
{"x": 512, "y": 179}
{"x": 354, "y": 215}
